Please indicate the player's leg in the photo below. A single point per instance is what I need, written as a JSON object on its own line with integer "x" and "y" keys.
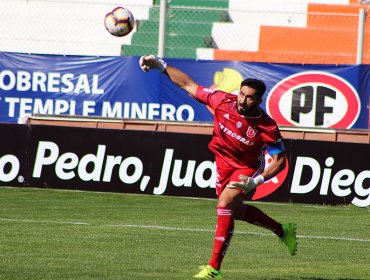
{"x": 255, "y": 216}
{"x": 286, "y": 232}
{"x": 228, "y": 200}
{"x": 252, "y": 214}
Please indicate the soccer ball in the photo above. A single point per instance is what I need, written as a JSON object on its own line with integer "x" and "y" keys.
{"x": 119, "y": 22}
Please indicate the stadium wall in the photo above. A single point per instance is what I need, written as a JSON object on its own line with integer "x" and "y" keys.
{"x": 169, "y": 163}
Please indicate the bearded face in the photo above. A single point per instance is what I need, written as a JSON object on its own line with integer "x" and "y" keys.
{"x": 247, "y": 101}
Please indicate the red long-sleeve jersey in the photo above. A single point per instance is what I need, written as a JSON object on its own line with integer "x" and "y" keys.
{"x": 239, "y": 140}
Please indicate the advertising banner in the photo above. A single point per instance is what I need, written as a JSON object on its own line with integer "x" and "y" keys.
{"x": 297, "y": 95}
{"x": 325, "y": 173}
{"x": 120, "y": 161}
{"x": 175, "y": 164}
{"x": 13, "y": 154}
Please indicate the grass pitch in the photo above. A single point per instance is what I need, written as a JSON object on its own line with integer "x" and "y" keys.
{"x": 54, "y": 234}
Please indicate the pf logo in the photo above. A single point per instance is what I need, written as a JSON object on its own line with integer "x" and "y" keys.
{"x": 274, "y": 183}
{"x": 314, "y": 99}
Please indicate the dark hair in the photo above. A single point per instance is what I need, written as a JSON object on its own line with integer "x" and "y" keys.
{"x": 258, "y": 85}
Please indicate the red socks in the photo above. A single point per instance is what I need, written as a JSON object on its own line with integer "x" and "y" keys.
{"x": 225, "y": 229}
{"x": 224, "y": 233}
{"x": 255, "y": 216}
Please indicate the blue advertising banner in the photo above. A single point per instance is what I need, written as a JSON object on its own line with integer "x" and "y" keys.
{"x": 297, "y": 95}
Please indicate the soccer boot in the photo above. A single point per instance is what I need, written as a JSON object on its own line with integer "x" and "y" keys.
{"x": 290, "y": 238}
{"x": 207, "y": 271}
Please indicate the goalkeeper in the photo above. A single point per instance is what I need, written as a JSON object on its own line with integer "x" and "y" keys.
{"x": 242, "y": 132}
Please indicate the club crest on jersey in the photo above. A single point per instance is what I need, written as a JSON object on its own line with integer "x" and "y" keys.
{"x": 251, "y": 132}
{"x": 239, "y": 124}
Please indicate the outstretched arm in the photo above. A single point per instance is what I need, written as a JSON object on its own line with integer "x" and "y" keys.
{"x": 178, "y": 77}
{"x": 181, "y": 79}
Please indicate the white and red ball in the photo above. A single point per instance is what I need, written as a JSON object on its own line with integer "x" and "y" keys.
{"x": 119, "y": 22}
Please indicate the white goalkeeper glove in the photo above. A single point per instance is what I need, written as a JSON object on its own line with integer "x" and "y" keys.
{"x": 246, "y": 184}
{"x": 151, "y": 62}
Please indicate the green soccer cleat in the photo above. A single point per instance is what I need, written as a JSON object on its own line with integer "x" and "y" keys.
{"x": 207, "y": 271}
{"x": 290, "y": 238}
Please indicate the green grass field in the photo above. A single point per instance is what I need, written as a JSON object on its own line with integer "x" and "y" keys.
{"x": 54, "y": 234}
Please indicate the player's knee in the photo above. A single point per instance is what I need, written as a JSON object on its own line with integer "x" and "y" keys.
{"x": 230, "y": 199}
{"x": 224, "y": 203}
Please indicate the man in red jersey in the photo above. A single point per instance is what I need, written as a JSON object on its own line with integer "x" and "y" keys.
{"x": 242, "y": 132}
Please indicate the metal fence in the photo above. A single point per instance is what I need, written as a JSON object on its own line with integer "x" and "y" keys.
{"x": 290, "y": 34}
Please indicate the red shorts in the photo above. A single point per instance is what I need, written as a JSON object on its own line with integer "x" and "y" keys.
{"x": 227, "y": 173}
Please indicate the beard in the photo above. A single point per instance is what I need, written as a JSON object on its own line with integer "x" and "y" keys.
{"x": 243, "y": 110}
